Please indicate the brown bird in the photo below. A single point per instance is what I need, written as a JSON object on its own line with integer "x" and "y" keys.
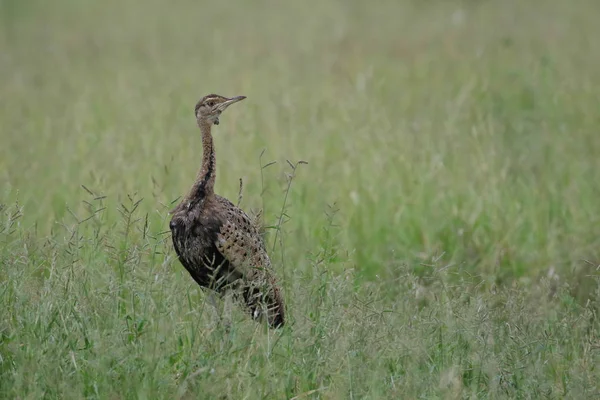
{"x": 217, "y": 242}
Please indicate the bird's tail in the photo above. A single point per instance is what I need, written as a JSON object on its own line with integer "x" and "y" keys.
{"x": 266, "y": 301}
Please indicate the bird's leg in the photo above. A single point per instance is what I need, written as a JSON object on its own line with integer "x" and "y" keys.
{"x": 220, "y": 283}
{"x": 226, "y": 316}
{"x": 213, "y": 301}
{"x": 212, "y": 295}
{"x": 222, "y": 312}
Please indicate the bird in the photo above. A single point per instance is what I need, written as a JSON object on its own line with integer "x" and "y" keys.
{"x": 220, "y": 246}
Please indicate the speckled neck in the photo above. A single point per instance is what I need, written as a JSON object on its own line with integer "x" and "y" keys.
{"x": 204, "y": 185}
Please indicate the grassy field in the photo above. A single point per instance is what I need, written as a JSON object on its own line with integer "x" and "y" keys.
{"x": 443, "y": 240}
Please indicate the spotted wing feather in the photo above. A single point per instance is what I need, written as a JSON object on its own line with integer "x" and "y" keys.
{"x": 242, "y": 246}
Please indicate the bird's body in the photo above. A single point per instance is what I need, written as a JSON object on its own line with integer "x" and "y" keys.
{"x": 217, "y": 242}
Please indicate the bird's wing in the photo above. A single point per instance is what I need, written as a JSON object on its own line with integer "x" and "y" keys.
{"x": 239, "y": 242}
{"x": 242, "y": 245}
{"x": 245, "y": 251}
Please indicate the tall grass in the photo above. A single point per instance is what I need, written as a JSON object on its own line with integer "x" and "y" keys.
{"x": 442, "y": 242}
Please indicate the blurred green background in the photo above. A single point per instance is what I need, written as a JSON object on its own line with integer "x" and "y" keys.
{"x": 462, "y": 128}
{"x": 462, "y": 134}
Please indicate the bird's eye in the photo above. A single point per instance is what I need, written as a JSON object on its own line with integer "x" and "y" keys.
{"x": 210, "y": 103}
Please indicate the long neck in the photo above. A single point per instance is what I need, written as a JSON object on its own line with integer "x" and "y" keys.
{"x": 205, "y": 180}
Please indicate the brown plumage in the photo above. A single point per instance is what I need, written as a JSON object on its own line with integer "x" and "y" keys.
{"x": 217, "y": 242}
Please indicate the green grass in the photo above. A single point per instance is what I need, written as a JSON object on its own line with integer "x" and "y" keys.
{"x": 442, "y": 242}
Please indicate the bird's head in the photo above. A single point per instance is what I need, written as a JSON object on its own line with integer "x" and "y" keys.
{"x": 210, "y": 107}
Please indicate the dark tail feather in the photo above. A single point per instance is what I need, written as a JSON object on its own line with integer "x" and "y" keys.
{"x": 269, "y": 305}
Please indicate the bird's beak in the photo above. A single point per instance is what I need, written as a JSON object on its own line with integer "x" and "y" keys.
{"x": 221, "y": 107}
